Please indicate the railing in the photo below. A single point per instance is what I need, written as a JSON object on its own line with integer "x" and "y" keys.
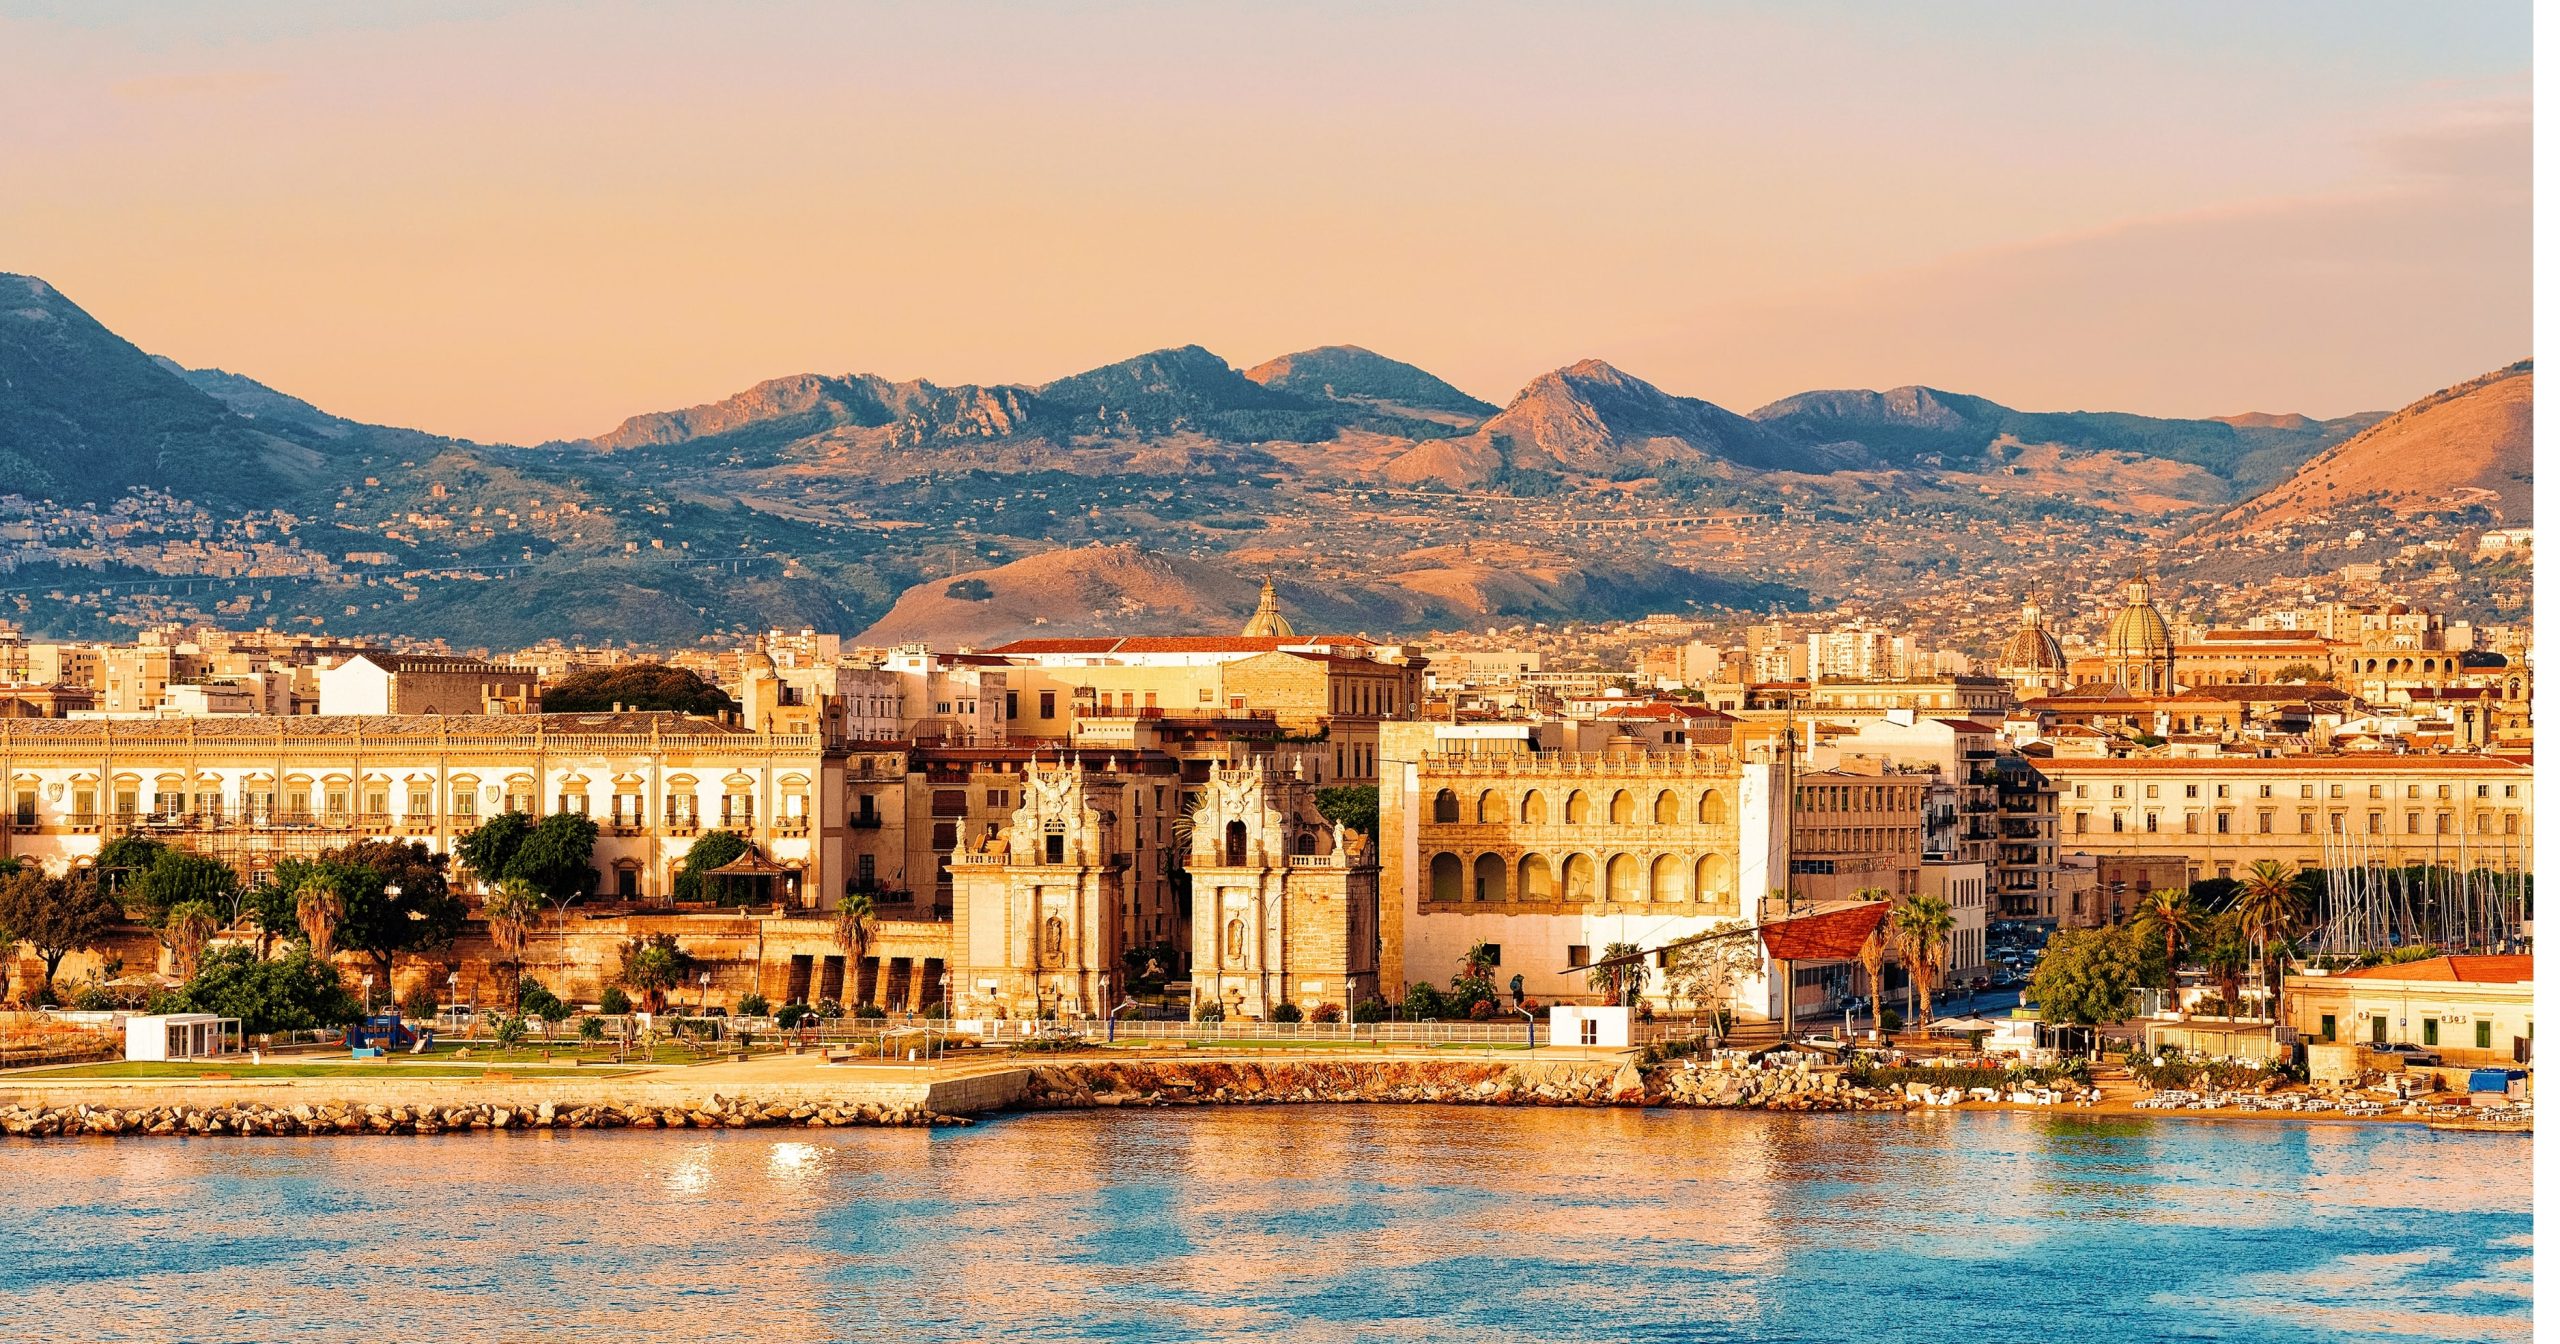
{"x": 1581, "y": 762}
{"x": 1497, "y": 1032}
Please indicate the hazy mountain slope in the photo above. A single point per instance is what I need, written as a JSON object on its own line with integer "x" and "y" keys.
{"x": 85, "y": 415}
{"x": 1910, "y": 426}
{"x": 2468, "y": 445}
{"x": 1349, "y": 373}
{"x": 1592, "y": 420}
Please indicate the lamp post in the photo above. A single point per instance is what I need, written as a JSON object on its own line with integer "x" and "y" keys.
{"x": 702, "y": 1001}
{"x": 1111, "y": 1020}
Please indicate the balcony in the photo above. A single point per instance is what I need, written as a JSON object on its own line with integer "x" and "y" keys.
{"x": 864, "y": 821}
{"x": 791, "y": 826}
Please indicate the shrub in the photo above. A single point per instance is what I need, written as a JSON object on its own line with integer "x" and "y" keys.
{"x": 591, "y": 1028}
{"x": 1210, "y": 1012}
{"x": 1889, "y": 1020}
{"x": 870, "y": 1012}
{"x": 537, "y": 1001}
{"x": 790, "y": 1015}
{"x": 1482, "y": 1010}
{"x": 1287, "y": 1012}
{"x": 614, "y": 1001}
{"x": 1423, "y": 1003}
{"x": 1327, "y": 1013}
{"x": 509, "y": 1032}
{"x": 829, "y": 1010}
{"x": 1370, "y": 1009}
{"x": 420, "y": 1002}
{"x": 752, "y": 1004}
{"x": 937, "y": 1011}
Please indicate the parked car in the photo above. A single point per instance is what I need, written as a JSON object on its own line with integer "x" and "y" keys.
{"x": 2410, "y": 1054}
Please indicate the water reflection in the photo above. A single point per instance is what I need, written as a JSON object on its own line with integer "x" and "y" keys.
{"x": 1324, "y": 1223}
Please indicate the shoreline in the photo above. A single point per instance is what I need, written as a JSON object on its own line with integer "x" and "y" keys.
{"x": 772, "y": 1094}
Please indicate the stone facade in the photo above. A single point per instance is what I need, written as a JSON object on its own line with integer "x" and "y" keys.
{"x": 1284, "y": 907}
{"x": 1037, "y": 907}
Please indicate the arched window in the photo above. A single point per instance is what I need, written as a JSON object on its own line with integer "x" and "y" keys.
{"x": 1537, "y": 879}
{"x": 1666, "y": 809}
{"x": 1670, "y": 880}
{"x": 1577, "y": 808}
{"x": 1577, "y": 877}
{"x": 1489, "y": 806}
{"x": 1533, "y": 808}
{"x": 1622, "y": 808}
{"x": 1622, "y": 877}
{"x": 1711, "y": 809}
{"x": 1448, "y": 877}
{"x": 1444, "y": 805}
{"x": 1235, "y": 844}
{"x": 1490, "y": 885}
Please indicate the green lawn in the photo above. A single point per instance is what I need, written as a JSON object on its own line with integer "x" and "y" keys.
{"x": 342, "y": 1068}
{"x": 1372, "y": 1046}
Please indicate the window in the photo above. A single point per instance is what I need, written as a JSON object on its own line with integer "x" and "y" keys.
{"x": 2304, "y": 820}
{"x": 1577, "y": 955}
{"x": 2195, "y": 821}
{"x": 2381, "y": 1029}
{"x": 2266, "y": 790}
{"x": 2373, "y": 791}
{"x": 1590, "y": 1031}
{"x": 2337, "y": 790}
{"x": 2118, "y": 820}
{"x": 866, "y": 870}
{"x": 2119, "y": 791}
{"x": 2222, "y": 823}
{"x": 2266, "y": 823}
{"x": 1493, "y": 953}
{"x": 2480, "y": 1034}
{"x": 2079, "y": 823}
{"x": 1013, "y": 704}
{"x": 2150, "y": 821}
{"x": 2191, "y": 790}
{"x": 2328, "y": 1026}
{"x": 1048, "y": 704}
{"x": 2150, "y": 790}
{"x": 2427, "y": 1031}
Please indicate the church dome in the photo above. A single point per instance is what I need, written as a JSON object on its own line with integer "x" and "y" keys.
{"x": 2139, "y": 628}
{"x": 2033, "y": 648}
{"x": 1267, "y": 622}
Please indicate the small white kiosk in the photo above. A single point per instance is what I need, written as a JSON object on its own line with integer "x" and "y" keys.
{"x": 166, "y": 1036}
{"x": 1606, "y": 1028}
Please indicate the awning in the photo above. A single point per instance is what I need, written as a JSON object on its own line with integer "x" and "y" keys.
{"x": 1834, "y": 935}
{"x": 750, "y": 864}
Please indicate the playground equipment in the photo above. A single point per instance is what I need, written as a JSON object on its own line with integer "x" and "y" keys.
{"x": 384, "y": 1033}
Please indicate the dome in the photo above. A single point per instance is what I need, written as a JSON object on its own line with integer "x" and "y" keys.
{"x": 2033, "y": 648}
{"x": 1267, "y": 622}
{"x": 2138, "y": 628}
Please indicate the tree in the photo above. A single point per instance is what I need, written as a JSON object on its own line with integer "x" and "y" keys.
{"x": 714, "y": 849}
{"x": 317, "y": 908}
{"x": 2269, "y": 907}
{"x": 122, "y": 858}
{"x": 175, "y": 877}
{"x": 513, "y": 911}
{"x": 635, "y": 686}
{"x": 653, "y": 964}
{"x": 2088, "y": 976}
{"x": 2169, "y": 914}
{"x": 2223, "y": 949}
{"x": 189, "y": 926}
{"x": 853, "y": 931}
{"x": 58, "y": 916}
{"x": 295, "y": 992}
{"x": 423, "y": 916}
{"x": 489, "y": 849}
{"x": 1920, "y": 928}
{"x": 1623, "y": 982}
{"x": 1706, "y": 973}
{"x": 2294, "y": 673}
{"x": 559, "y": 859}
{"x": 535, "y": 1000}
{"x": 1871, "y": 955}
{"x": 1354, "y": 807}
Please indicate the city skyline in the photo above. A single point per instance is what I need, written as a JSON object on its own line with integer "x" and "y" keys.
{"x": 509, "y": 223}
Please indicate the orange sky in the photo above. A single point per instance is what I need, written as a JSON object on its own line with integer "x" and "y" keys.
{"x": 517, "y": 222}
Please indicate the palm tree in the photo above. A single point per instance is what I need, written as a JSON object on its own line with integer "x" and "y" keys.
{"x": 2269, "y": 905}
{"x": 1920, "y": 928}
{"x": 317, "y": 907}
{"x": 853, "y": 934}
{"x": 513, "y": 910}
{"x": 1871, "y": 956}
{"x": 191, "y": 926}
{"x": 2171, "y": 913}
{"x": 1622, "y": 982}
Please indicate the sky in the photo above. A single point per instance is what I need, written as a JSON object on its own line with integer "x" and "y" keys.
{"x": 520, "y": 222}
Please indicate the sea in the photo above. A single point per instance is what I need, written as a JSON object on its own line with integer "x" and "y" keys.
{"x": 1303, "y": 1223}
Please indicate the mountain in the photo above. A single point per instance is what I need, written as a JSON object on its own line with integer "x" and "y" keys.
{"x": 1926, "y": 427}
{"x": 1348, "y": 373}
{"x": 253, "y": 400}
{"x": 783, "y": 411}
{"x": 86, "y": 416}
{"x": 1125, "y": 589}
{"x": 1592, "y": 420}
{"x": 2468, "y": 446}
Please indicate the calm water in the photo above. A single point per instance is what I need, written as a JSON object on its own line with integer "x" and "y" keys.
{"x": 1394, "y": 1223}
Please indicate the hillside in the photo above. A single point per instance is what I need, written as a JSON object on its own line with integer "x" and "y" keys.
{"x": 1350, "y": 374}
{"x": 2469, "y": 446}
{"x": 86, "y": 416}
{"x": 1592, "y": 420}
{"x": 1926, "y": 427}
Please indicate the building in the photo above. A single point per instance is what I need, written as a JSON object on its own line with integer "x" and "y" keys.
{"x": 2471, "y": 1010}
{"x": 1548, "y": 856}
{"x": 414, "y": 684}
{"x": 2222, "y": 814}
{"x": 1284, "y": 906}
{"x": 2032, "y": 661}
{"x": 2137, "y": 654}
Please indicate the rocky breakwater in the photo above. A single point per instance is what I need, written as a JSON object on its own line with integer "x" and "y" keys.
{"x": 1083, "y": 1085}
{"x": 250, "y": 1118}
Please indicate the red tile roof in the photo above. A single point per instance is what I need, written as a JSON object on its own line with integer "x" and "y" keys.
{"x": 2497, "y": 970}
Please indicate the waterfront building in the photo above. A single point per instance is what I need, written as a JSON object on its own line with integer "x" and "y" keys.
{"x": 410, "y": 684}
{"x": 2470, "y": 1010}
{"x": 2222, "y": 814}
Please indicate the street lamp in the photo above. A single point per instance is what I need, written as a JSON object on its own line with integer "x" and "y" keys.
{"x": 702, "y": 1003}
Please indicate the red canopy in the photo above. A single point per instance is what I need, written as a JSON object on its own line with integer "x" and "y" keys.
{"x": 1834, "y": 935}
